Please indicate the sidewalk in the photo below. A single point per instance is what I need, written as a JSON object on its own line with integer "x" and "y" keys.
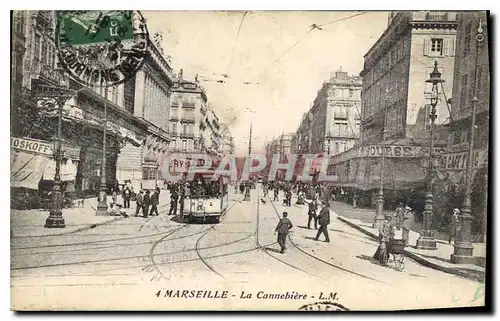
{"x": 361, "y": 219}
{"x": 30, "y": 223}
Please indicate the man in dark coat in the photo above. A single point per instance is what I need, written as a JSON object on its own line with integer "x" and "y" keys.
{"x": 145, "y": 204}
{"x": 174, "y": 197}
{"x": 324, "y": 220}
{"x": 139, "y": 200}
{"x": 283, "y": 228}
{"x": 154, "y": 203}
{"x": 313, "y": 206}
{"x": 126, "y": 197}
{"x": 276, "y": 193}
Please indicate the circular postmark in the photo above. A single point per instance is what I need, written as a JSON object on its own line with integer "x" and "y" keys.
{"x": 101, "y": 48}
{"x": 323, "y": 306}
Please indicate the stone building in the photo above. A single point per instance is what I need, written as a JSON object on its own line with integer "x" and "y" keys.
{"x": 472, "y": 79}
{"x": 332, "y": 124}
{"x": 82, "y": 113}
{"x": 227, "y": 145}
{"x": 395, "y": 96}
{"x": 188, "y": 115}
{"x": 147, "y": 97}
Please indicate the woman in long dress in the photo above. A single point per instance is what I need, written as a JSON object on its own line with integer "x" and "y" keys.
{"x": 386, "y": 233}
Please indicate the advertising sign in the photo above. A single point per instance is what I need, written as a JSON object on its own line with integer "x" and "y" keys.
{"x": 31, "y": 145}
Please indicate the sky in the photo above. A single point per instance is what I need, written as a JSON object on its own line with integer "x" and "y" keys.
{"x": 284, "y": 64}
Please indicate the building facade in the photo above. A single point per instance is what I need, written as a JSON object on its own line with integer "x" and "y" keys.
{"x": 35, "y": 113}
{"x": 147, "y": 96}
{"x": 188, "y": 115}
{"x": 395, "y": 96}
{"x": 227, "y": 145}
{"x": 472, "y": 79}
{"x": 332, "y": 124}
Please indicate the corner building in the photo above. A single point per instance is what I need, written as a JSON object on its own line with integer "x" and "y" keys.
{"x": 395, "y": 96}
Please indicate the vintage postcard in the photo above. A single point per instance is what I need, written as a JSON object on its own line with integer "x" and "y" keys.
{"x": 249, "y": 160}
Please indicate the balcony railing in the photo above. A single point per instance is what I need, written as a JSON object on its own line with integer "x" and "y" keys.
{"x": 187, "y": 135}
{"x": 188, "y": 119}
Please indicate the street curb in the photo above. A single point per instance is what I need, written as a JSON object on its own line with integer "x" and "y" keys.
{"x": 465, "y": 273}
{"x": 83, "y": 228}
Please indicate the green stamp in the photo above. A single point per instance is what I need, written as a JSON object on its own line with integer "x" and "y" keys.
{"x": 101, "y": 48}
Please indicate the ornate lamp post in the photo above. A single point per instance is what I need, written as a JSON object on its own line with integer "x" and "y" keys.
{"x": 426, "y": 240}
{"x": 102, "y": 206}
{"x": 60, "y": 95}
{"x": 379, "y": 207}
{"x": 463, "y": 248}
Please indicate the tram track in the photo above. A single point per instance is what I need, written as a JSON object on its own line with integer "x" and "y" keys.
{"x": 266, "y": 250}
{"x": 318, "y": 259}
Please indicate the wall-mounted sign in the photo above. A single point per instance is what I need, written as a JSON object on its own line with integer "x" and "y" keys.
{"x": 391, "y": 151}
{"x": 458, "y": 161}
{"x": 30, "y": 145}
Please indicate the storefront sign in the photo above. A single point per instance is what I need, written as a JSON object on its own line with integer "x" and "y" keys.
{"x": 391, "y": 151}
{"x": 30, "y": 145}
{"x": 398, "y": 151}
{"x": 458, "y": 161}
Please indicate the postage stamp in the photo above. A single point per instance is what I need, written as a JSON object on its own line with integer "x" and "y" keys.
{"x": 101, "y": 48}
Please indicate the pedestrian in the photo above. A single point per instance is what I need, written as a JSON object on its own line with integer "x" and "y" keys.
{"x": 139, "y": 201}
{"x": 154, "y": 203}
{"x": 242, "y": 188}
{"x": 145, "y": 204}
{"x": 398, "y": 215}
{"x": 313, "y": 206}
{"x": 264, "y": 188}
{"x": 184, "y": 193}
{"x": 126, "y": 197}
{"x": 289, "y": 197}
{"x": 283, "y": 227}
{"x": 407, "y": 221}
{"x": 114, "y": 197}
{"x": 324, "y": 220}
{"x": 276, "y": 193}
{"x": 386, "y": 234}
{"x": 454, "y": 225}
{"x": 174, "y": 197}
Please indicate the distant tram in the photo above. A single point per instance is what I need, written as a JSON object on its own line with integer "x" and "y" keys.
{"x": 206, "y": 200}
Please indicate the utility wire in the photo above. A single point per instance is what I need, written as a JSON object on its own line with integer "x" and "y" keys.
{"x": 341, "y": 19}
{"x": 283, "y": 54}
{"x": 236, "y": 40}
{"x": 311, "y": 28}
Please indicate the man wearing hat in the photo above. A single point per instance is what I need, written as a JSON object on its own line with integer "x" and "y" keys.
{"x": 283, "y": 227}
{"x": 324, "y": 220}
{"x": 454, "y": 225}
{"x": 138, "y": 200}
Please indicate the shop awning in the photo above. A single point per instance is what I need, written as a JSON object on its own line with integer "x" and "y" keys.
{"x": 26, "y": 169}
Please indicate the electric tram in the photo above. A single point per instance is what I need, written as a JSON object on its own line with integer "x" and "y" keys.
{"x": 206, "y": 200}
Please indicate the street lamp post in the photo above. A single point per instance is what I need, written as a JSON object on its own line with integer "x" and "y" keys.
{"x": 55, "y": 219}
{"x": 247, "y": 187}
{"x": 102, "y": 206}
{"x": 426, "y": 240}
{"x": 60, "y": 95}
{"x": 379, "y": 207}
{"x": 463, "y": 248}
